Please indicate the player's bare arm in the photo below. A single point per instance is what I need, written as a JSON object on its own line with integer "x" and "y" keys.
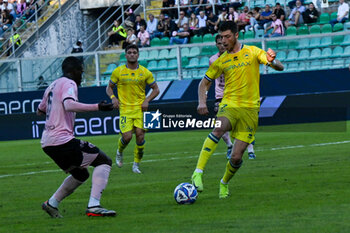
{"x": 274, "y": 63}
{"x": 110, "y": 93}
{"x": 202, "y": 108}
{"x": 154, "y": 94}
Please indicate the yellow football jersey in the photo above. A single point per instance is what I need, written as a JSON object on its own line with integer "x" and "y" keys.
{"x": 131, "y": 85}
{"x": 242, "y": 76}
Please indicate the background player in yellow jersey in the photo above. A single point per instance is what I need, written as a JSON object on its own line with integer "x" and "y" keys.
{"x": 238, "y": 110}
{"x": 131, "y": 80}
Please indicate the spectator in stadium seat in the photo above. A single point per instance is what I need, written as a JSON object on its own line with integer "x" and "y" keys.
{"x": 292, "y": 3}
{"x": 235, "y": 3}
{"x": 131, "y": 16}
{"x": 232, "y": 15}
{"x": 243, "y": 19}
{"x": 78, "y": 47}
{"x": 343, "y": 13}
{"x": 170, "y": 12}
{"x": 184, "y": 4}
{"x": 138, "y": 23}
{"x": 181, "y": 20}
{"x": 170, "y": 26}
{"x": 279, "y": 12}
{"x": 264, "y": 19}
{"x": 21, "y": 8}
{"x": 202, "y": 24}
{"x": 194, "y": 9}
{"x": 277, "y": 25}
{"x": 222, "y": 17}
{"x": 193, "y": 22}
{"x": 295, "y": 18}
{"x": 117, "y": 34}
{"x": 253, "y": 18}
{"x": 182, "y": 36}
{"x": 10, "y": 8}
{"x": 151, "y": 25}
{"x": 42, "y": 85}
{"x": 160, "y": 27}
{"x": 213, "y": 23}
{"x": 130, "y": 39}
{"x": 143, "y": 37}
{"x": 7, "y": 20}
{"x": 311, "y": 14}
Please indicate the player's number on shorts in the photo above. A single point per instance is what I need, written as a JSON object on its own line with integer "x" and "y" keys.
{"x": 123, "y": 121}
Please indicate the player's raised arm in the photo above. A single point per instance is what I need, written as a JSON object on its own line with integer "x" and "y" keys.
{"x": 274, "y": 63}
{"x": 203, "y": 88}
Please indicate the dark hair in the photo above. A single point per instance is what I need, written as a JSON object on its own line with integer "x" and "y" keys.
{"x": 217, "y": 37}
{"x": 229, "y": 25}
{"x": 132, "y": 46}
{"x": 257, "y": 9}
{"x": 278, "y": 4}
{"x": 70, "y": 64}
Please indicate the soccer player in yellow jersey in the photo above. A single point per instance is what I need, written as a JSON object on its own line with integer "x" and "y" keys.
{"x": 238, "y": 110}
{"x": 131, "y": 80}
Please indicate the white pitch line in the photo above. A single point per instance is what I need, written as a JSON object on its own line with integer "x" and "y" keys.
{"x": 188, "y": 157}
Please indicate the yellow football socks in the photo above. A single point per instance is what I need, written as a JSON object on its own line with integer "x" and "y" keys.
{"x": 231, "y": 169}
{"x": 208, "y": 149}
{"x": 121, "y": 145}
{"x": 138, "y": 152}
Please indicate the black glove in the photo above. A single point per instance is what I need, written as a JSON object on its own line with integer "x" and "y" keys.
{"x": 103, "y": 106}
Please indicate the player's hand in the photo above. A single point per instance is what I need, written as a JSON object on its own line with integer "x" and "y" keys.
{"x": 202, "y": 109}
{"x": 115, "y": 103}
{"x": 104, "y": 106}
{"x": 144, "y": 105}
{"x": 270, "y": 55}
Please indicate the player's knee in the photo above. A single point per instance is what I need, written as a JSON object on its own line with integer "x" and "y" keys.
{"x": 80, "y": 174}
{"x": 218, "y": 132}
{"x": 127, "y": 138}
{"x": 101, "y": 159}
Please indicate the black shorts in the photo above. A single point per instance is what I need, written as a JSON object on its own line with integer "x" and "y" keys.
{"x": 71, "y": 154}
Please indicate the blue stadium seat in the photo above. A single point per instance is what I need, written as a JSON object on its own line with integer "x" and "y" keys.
{"x": 346, "y": 40}
{"x": 282, "y": 44}
{"x": 208, "y": 38}
{"x": 281, "y": 55}
{"x": 162, "y": 65}
{"x": 163, "y": 54}
{"x": 327, "y": 64}
{"x": 315, "y": 29}
{"x": 259, "y": 34}
{"x": 326, "y": 41}
{"x": 337, "y": 51}
{"x": 161, "y": 76}
{"x": 338, "y": 63}
{"x": 143, "y": 63}
{"x": 110, "y": 69}
{"x": 338, "y": 27}
{"x": 304, "y": 54}
{"x": 155, "y": 42}
{"x": 172, "y": 53}
{"x": 172, "y": 75}
{"x": 291, "y": 31}
{"x": 143, "y": 55}
{"x": 293, "y": 67}
{"x": 337, "y": 40}
{"x": 152, "y": 65}
{"x": 315, "y": 54}
{"x": 185, "y": 52}
{"x": 292, "y": 55}
{"x": 194, "y": 63}
{"x": 315, "y": 42}
{"x": 248, "y": 35}
{"x": 303, "y": 43}
{"x": 327, "y": 28}
{"x": 326, "y": 53}
{"x": 303, "y": 30}
{"x": 194, "y": 51}
{"x": 153, "y": 55}
{"x": 197, "y": 39}
{"x": 346, "y": 51}
{"x": 315, "y": 65}
{"x": 271, "y": 44}
{"x": 172, "y": 64}
{"x": 324, "y": 18}
{"x": 302, "y": 66}
{"x": 164, "y": 41}
{"x": 204, "y": 62}
{"x": 122, "y": 57}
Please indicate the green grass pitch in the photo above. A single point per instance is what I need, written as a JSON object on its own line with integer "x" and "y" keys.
{"x": 299, "y": 182}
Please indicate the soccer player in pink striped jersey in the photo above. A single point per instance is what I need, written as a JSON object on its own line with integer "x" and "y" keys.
{"x": 59, "y": 105}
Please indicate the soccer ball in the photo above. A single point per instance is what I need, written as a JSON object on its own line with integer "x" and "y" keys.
{"x": 185, "y": 193}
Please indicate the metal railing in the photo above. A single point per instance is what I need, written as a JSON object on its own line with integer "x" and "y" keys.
{"x": 31, "y": 25}
{"x": 95, "y": 74}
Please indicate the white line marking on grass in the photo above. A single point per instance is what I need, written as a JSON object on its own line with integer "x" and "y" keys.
{"x": 187, "y": 157}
